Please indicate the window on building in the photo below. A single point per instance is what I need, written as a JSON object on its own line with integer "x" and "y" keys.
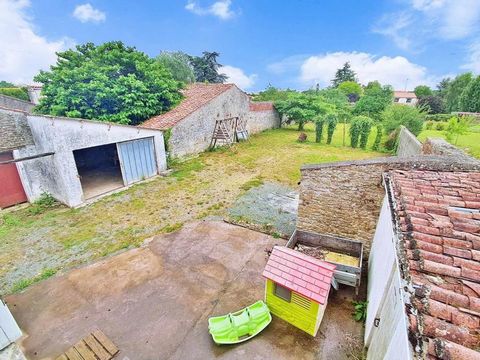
{"x": 409, "y": 100}
{"x": 282, "y": 292}
{"x": 397, "y": 99}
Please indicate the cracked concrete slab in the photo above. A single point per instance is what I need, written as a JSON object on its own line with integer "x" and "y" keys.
{"x": 153, "y": 302}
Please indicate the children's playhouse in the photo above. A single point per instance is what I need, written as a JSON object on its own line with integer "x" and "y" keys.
{"x": 297, "y": 287}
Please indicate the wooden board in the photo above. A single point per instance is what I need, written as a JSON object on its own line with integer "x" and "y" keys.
{"x": 95, "y": 346}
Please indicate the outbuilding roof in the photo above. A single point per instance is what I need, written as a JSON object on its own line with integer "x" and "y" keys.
{"x": 261, "y": 105}
{"x": 301, "y": 273}
{"x": 404, "y": 94}
{"x": 438, "y": 214}
{"x": 195, "y": 96}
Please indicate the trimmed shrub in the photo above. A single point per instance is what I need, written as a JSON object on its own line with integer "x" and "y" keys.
{"x": 331, "y": 125}
{"x": 429, "y": 125}
{"x": 441, "y": 126}
{"x": 438, "y": 117}
{"x": 319, "y": 130}
{"x": 378, "y": 137}
{"x": 360, "y": 130}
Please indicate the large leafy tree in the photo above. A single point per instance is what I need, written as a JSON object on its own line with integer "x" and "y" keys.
{"x": 109, "y": 82}
{"x": 470, "y": 97}
{"x": 6, "y": 84}
{"x": 374, "y": 100}
{"x": 345, "y": 73}
{"x": 454, "y": 91}
{"x": 206, "y": 68}
{"x": 272, "y": 93}
{"x": 422, "y": 91}
{"x": 432, "y": 104}
{"x": 409, "y": 116}
{"x": 442, "y": 87}
{"x": 179, "y": 65}
{"x": 303, "y": 107}
{"x": 351, "y": 89}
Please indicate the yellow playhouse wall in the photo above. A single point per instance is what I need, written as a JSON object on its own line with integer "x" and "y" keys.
{"x": 292, "y": 313}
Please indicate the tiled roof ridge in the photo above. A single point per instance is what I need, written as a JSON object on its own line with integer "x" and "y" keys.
{"x": 442, "y": 257}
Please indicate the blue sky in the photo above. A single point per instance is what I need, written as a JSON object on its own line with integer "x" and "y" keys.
{"x": 285, "y": 43}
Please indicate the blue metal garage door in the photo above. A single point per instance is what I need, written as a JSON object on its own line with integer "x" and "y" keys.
{"x": 137, "y": 159}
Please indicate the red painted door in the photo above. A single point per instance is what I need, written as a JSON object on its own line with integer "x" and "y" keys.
{"x": 11, "y": 188}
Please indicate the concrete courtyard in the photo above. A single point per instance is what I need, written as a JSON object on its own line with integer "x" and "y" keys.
{"x": 153, "y": 302}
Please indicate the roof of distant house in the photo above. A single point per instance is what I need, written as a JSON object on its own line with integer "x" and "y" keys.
{"x": 195, "y": 96}
{"x": 439, "y": 218}
{"x": 301, "y": 273}
{"x": 261, "y": 106}
{"x": 404, "y": 94}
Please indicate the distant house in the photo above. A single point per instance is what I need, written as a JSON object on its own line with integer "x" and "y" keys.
{"x": 73, "y": 160}
{"x": 34, "y": 93}
{"x": 424, "y": 268}
{"x": 192, "y": 122}
{"x": 405, "y": 97}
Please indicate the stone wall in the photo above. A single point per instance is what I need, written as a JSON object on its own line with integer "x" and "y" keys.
{"x": 14, "y": 130}
{"x": 15, "y": 104}
{"x": 57, "y": 174}
{"x": 437, "y": 146}
{"x": 260, "y": 120}
{"x": 344, "y": 198}
{"x": 408, "y": 144}
{"x": 193, "y": 134}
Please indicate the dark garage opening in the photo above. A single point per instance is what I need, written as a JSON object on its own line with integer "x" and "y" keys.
{"x": 99, "y": 169}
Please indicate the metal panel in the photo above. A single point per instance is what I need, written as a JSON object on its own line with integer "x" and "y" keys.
{"x": 137, "y": 160}
{"x": 11, "y": 189}
{"x": 9, "y": 330}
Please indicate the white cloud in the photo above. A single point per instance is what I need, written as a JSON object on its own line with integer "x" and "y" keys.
{"x": 395, "y": 27}
{"x": 22, "y": 51}
{"x": 87, "y": 13}
{"x": 220, "y": 8}
{"x": 396, "y": 71}
{"x": 238, "y": 77}
{"x": 473, "y": 63}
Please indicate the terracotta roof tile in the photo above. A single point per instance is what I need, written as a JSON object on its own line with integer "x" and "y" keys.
{"x": 437, "y": 213}
{"x": 195, "y": 96}
{"x": 404, "y": 94}
{"x": 304, "y": 274}
{"x": 261, "y": 106}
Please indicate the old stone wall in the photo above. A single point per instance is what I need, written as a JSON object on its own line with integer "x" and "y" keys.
{"x": 57, "y": 174}
{"x": 15, "y": 104}
{"x": 408, "y": 144}
{"x": 438, "y": 146}
{"x": 344, "y": 199}
{"x": 259, "y": 121}
{"x": 14, "y": 130}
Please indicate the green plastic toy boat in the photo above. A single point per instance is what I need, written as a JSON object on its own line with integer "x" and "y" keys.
{"x": 240, "y": 326}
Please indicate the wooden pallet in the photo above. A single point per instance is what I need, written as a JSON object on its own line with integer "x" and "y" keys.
{"x": 95, "y": 346}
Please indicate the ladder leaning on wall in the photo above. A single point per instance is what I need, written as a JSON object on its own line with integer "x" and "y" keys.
{"x": 228, "y": 131}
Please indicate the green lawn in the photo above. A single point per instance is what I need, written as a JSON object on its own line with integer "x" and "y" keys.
{"x": 36, "y": 244}
{"x": 469, "y": 142}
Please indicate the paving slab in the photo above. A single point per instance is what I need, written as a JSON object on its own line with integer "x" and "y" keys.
{"x": 153, "y": 302}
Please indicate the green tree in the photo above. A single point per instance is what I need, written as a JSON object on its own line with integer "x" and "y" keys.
{"x": 455, "y": 90}
{"x": 6, "y": 84}
{"x": 109, "y": 82}
{"x": 442, "y": 87}
{"x": 351, "y": 89}
{"x": 410, "y": 117}
{"x": 360, "y": 130}
{"x": 456, "y": 127}
{"x": 470, "y": 97}
{"x": 272, "y": 93}
{"x": 345, "y": 73}
{"x": 206, "y": 67}
{"x": 303, "y": 107}
{"x": 422, "y": 91}
{"x": 374, "y": 100}
{"x": 331, "y": 120}
{"x": 178, "y": 63}
{"x": 378, "y": 137}
{"x": 432, "y": 104}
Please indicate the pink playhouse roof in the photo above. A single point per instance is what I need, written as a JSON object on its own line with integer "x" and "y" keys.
{"x": 301, "y": 273}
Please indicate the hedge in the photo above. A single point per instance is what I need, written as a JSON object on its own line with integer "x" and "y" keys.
{"x": 18, "y": 93}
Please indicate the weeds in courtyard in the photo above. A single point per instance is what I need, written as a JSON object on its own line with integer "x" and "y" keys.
{"x": 24, "y": 283}
{"x": 202, "y": 186}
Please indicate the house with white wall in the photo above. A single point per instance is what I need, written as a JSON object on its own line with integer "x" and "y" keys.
{"x": 424, "y": 268}
{"x": 405, "y": 97}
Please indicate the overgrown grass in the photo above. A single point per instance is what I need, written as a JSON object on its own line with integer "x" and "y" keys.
{"x": 199, "y": 187}
{"x": 24, "y": 283}
{"x": 469, "y": 142}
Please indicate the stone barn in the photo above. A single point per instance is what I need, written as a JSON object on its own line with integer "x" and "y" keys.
{"x": 191, "y": 124}
{"x": 74, "y": 160}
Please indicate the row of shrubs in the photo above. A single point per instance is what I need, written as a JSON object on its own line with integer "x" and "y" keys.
{"x": 434, "y": 125}
{"x": 16, "y": 92}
